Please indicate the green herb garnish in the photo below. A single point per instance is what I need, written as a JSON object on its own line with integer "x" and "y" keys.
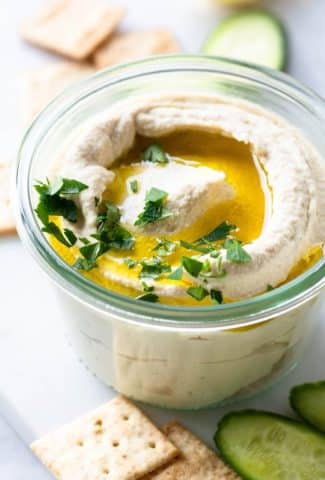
{"x": 134, "y": 186}
{"x": 130, "y": 262}
{"x": 269, "y": 288}
{"x": 67, "y": 237}
{"x": 192, "y": 266}
{"x": 153, "y": 268}
{"x": 164, "y": 247}
{"x": 199, "y": 293}
{"x": 60, "y": 186}
{"x": 110, "y": 234}
{"x": 176, "y": 274}
{"x": 148, "y": 297}
{"x": 155, "y": 154}
{"x": 235, "y": 252}
{"x": 52, "y": 202}
{"x": 221, "y": 232}
{"x": 147, "y": 288}
{"x": 216, "y": 296}
{"x": 84, "y": 240}
{"x": 154, "y": 208}
{"x": 196, "y": 248}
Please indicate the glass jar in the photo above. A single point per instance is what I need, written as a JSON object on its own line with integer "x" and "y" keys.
{"x": 175, "y": 357}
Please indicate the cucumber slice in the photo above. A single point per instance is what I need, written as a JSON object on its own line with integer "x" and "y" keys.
{"x": 265, "y": 446}
{"x": 253, "y": 36}
{"x": 308, "y": 401}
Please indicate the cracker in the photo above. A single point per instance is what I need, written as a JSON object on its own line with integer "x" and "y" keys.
{"x": 114, "y": 442}
{"x": 196, "y": 460}
{"x": 73, "y": 28}
{"x": 125, "y": 47}
{"x": 7, "y": 224}
{"x": 42, "y": 84}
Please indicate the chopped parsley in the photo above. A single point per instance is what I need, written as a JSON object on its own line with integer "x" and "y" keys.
{"x": 153, "y": 268}
{"x": 216, "y": 296}
{"x": 110, "y": 234}
{"x": 235, "y": 252}
{"x": 134, "y": 186}
{"x": 196, "y": 248}
{"x": 192, "y": 266}
{"x": 164, "y": 247}
{"x": 52, "y": 202}
{"x": 269, "y": 288}
{"x": 67, "y": 237}
{"x": 60, "y": 186}
{"x": 199, "y": 293}
{"x": 147, "y": 288}
{"x": 154, "y": 208}
{"x": 130, "y": 262}
{"x": 148, "y": 297}
{"x": 221, "y": 232}
{"x": 155, "y": 154}
{"x": 177, "y": 274}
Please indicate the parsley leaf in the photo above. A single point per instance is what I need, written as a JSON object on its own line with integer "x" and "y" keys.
{"x": 148, "y": 297}
{"x": 176, "y": 274}
{"x": 56, "y": 205}
{"x": 134, "y": 186}
{"x": 219, "y": 233}
{"x": 164, "y": 247}
{"x": 84, "y": 264}
{"x": 192, "y": 266}
{"x": 216, "y": 296}
{"x": 199, "y": 293}
{"x": 153, "y": 268}
{"x": 60, "y": 186}
{"x": 269, "y": 288}
{"x": 196, "y": 248}
{"x": 154, "y": 208}
{"x": 109, "y": 231}
{"x": 235, "y": 252}
{"x": 130, "y": 262}
{"x": 155, "y": 154}
{"x": 156, "y": 195}
{"x": 67, "y": 237}
{"x": 147, "y": 288}
{"x": 108, "y": 218}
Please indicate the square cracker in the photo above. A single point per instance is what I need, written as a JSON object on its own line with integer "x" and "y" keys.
{"x": 125, "y": 47}
{"x": 7, "y": 224}
{"x": 42, "y": 84}
{"x": 114, "y": 442}
{"x": 73, "y": 28}
{"x": 196, "y": 460}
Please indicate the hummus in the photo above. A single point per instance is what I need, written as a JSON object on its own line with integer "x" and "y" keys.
{"x": 253, "y": 170}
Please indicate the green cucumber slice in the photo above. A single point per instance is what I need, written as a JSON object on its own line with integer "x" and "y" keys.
{"x": 266, "y": 446}
{"x": 253, "y": 36}
{"x": 308, "y": 401}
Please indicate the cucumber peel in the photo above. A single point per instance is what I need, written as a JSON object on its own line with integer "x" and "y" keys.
{"x": 266, "y": 446}
{"x": 308, "y": 401}
{"x": 254, "y": 36}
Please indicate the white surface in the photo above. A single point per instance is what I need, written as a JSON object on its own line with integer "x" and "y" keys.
{"x": 28, "y": 314}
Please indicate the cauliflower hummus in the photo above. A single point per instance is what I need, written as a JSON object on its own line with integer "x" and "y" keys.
{"x": 187, "y": 201}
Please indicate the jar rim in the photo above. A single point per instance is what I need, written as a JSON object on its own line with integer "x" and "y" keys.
{"x": 236, "y": 314}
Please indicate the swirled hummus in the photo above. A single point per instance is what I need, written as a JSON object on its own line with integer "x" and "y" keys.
{"x": 220, "y": 200}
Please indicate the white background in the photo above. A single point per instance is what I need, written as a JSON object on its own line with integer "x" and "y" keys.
{"x": 191, "y": 20}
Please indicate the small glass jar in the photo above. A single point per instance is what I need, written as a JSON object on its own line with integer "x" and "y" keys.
{"x": 176, "y": 357}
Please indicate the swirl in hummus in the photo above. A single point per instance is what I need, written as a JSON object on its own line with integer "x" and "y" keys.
{"x": 265, "y": 179}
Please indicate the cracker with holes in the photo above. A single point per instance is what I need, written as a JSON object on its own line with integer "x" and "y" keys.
{"x": 73, "y": 28}
{"x": 7, "y": 224}
{"x": 125, "y": 47}
{"x": 114, "y": 442}
{"x": 195, "y": 462}
{"x": 42, "y": 84}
